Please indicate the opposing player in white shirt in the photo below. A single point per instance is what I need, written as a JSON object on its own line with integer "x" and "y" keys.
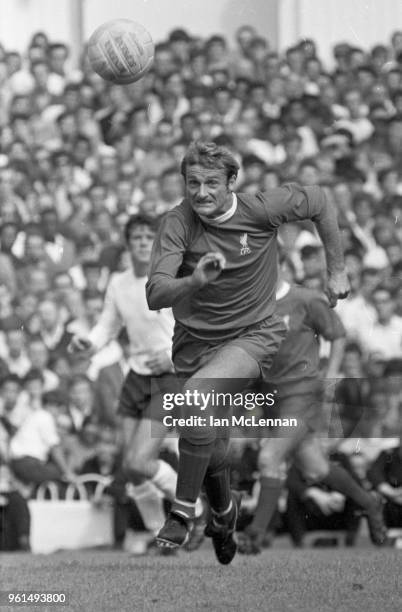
{"x": 150, "y": 335}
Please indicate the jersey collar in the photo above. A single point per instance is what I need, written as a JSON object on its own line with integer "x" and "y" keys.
{"x": 228, "y": 214}
{"x": 284, "y": 290}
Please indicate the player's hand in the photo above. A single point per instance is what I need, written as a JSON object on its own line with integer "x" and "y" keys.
{"x": 159, "y": 363}
{"x": 337, "y": 287}
{"x": 79, "y": 344}
{"x": 208, "y": 268}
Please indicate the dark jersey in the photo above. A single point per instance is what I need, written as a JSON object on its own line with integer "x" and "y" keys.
{"x": 244, "y": 293}
{"x": 307, "y": 316}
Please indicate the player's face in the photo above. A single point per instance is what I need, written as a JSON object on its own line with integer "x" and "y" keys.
{"x": 140, "y": 243}
{"x": 208, "y": 191}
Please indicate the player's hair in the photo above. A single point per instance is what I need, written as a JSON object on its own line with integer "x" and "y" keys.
{"x": 140, "y": 219}
{"x": 211, "y": 156}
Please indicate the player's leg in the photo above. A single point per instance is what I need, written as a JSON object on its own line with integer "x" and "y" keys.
{"x": 224, "y": 503}
{"x": 225, "y": 373}
{"x": 275, "y": 451}
{"x": 272, "y": 459}
{"x": 144, "y": 452}
{"x": 317, "y": 469}
{"x": 201, "y": 450}
{"x": 147, "y": 497}
{"x": 144, "y": 397}
{"x": 139, "y": 448}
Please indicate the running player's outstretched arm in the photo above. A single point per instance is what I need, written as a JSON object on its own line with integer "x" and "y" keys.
{"x": 296, "y": 203}
{"x": 165, "y": 287}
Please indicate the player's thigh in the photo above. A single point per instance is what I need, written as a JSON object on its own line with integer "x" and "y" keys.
{"x": 311, "y": 458}
{"x": 228, "y": 368}
{"x": 227, "y": 372}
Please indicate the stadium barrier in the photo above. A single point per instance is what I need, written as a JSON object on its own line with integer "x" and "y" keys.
{"x": 78, "y": 521}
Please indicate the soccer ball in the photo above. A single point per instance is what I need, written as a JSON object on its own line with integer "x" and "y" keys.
{"x": 121, "y": 51}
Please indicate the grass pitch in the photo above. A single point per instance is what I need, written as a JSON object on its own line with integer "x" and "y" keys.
{"x": 310, "y": 580}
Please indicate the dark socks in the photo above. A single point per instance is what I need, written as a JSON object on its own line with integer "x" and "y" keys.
{"x": 217, "y": 488}
{"x": 193, "y": 463}
{"x": 217, "y": 478}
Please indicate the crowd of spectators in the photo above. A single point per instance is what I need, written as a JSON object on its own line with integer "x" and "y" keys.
{"x": 79, "y": 155}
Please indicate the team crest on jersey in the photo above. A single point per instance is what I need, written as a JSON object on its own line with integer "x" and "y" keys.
{"x": 245, "y": 249}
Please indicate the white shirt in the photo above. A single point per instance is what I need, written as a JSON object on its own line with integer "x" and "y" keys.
{"x": 148, "y": 331}
{"x": 36, "y": 436}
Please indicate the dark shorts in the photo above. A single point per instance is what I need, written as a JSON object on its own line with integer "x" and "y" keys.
{"x": 261, "y": 341}
{"x": 303, "y": 401}
{"x": 141, "y": 397}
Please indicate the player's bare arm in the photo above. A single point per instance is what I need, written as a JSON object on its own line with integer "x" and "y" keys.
{"x": 164, "y": 291}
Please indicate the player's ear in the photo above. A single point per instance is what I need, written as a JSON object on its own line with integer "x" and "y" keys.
{"x": 232, "y": 182}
